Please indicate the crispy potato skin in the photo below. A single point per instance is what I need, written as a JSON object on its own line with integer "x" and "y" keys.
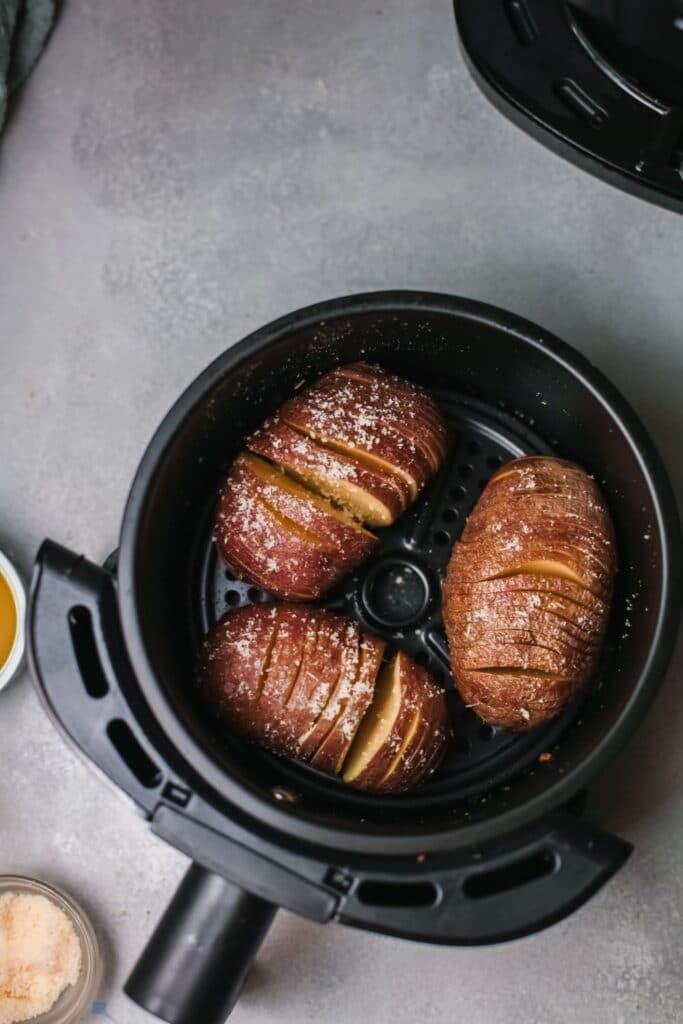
{"x": 281, "y": 541}
{"x": 269, "y": 670}
{"x": 330, "y": 755}
{"x": 351, "y": 450}
{"x": 375, "y": 413}
{"x": 300, "y": 679}
{"x": 524, "y": 640}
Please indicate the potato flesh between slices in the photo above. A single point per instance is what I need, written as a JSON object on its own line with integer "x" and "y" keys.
{"x": 371, "y": 459}
{"x": 542, "y": 567}
{"x": 402, "y": 750}
{"x": 376, "y": 728}
{"x": 331, "y": 753}
{"x": 372, "y": 496}
{"x": 276, "y": 478}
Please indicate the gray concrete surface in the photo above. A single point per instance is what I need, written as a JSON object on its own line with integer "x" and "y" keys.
{"x": 177, "y": 174}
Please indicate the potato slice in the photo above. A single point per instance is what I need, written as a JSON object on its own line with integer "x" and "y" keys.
{"x": 372, "y": 460}
{"x": 400, "y": 405}
{"x": 403, "y": 734}
{"x": 424, "y": 747}
{"x": 295, "y": 640}
{"x": 296, "y": 550}
{"x": 372, "y": 495}
{"x": 330, "y": 755}
{"x": 378, "y": 737}
{"x": 294, "y": 626}
{"x": 235, "y": 661}
{"x": 337, "y": 411}
{"x": 542, "y": 567}
{"x": 271, "y": 552}
{"x": 416, "y": 400}
{"x": 308, "y": 510}
{"x": 571, "y": 596}
{"x": 414, "y": 728}
{"x": 340, "y": 694}
{"x": 318, "y": 675}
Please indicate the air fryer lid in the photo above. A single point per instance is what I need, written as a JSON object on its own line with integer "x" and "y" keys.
{"x": 507, "y": 387}
{"x": 599, "y": 81}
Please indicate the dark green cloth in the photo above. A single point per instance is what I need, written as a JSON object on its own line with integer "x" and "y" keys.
{"x": 24, "y": 28}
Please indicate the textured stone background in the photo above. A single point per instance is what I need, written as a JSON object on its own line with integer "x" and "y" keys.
{"x": 177, "y": 174}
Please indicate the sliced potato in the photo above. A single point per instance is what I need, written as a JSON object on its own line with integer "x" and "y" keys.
{"x": 372, "y": 495}
{"x": 527, "y": 592}
{"x": 304, "y": 682}
{"x": 372, "y": 421}
{"x": 331, "y": 753}
{"x": 283, "y": 538}
{"x": 308, "y": 510}
{"x": 318, "y": 673}
{"x": 378, "y": 737}
{"x": 403, "y": 735}
{"x": 338, "y": 696}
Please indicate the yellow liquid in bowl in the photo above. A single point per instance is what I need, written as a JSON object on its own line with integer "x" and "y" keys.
{"x": 8, "y": 620}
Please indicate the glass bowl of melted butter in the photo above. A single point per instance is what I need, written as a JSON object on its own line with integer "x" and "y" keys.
{"x": 12, "y": 621}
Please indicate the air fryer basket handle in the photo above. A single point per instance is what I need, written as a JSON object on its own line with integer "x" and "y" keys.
{"x": 536, "y": 879}
{"x": 82, "y": 675}
{"x": 196, "y": 962}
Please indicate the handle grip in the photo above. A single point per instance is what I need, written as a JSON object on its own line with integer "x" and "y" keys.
{"x": 83, "y": 677}
{"x": 535, "y": 879}
{"x": 197, "y": 960}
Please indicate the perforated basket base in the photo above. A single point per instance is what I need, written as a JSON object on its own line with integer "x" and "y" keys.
{"x": 396, "y": 594}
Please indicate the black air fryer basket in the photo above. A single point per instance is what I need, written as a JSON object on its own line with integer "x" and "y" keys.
{"x": 493, "y": 846}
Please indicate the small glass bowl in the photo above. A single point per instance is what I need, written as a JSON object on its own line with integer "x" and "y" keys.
{"x": 76, "y": 1000}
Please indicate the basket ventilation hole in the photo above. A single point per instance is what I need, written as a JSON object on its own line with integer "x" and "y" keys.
{"x": 85, "y": 650}
{"x": 520, "y": 872}
{"x": 131, "y": 752}
{"x": 396, "y": 894}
